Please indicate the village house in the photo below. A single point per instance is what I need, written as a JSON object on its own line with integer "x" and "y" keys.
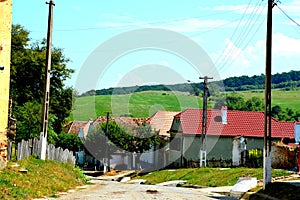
{"x": 181, "y": 133}
{"x": 120, "y": 159}
{"x": 160, "y": 122}
{"x": 223, "y": 127}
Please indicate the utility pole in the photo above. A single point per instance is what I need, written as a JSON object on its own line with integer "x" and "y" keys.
{"x": 204, "y": 121}
{"x": 267, "y": 111}
{"x": 47, "y": 82}
{"x": 106, "y": 159}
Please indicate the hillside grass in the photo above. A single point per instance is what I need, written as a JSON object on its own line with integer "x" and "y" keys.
{"x": 145, "y": 104}
{"x": 140, "y": 104}
{"x": 210, "y": 177}
{"x": 284, "y": 99}
{"x": 43, "y": 178}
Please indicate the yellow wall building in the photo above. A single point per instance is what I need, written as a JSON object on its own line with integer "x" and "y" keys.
{"x": 5, "y": 47}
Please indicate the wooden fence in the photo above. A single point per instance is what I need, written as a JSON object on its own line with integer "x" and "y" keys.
{"x": 33, "y": 147}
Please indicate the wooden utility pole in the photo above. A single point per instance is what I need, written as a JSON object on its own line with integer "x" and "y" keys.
{"x": 47, "y": 82}
{"x": 106, "y": 156}
{"x": 267, "y": 112}
{"x": 204, "y": 121}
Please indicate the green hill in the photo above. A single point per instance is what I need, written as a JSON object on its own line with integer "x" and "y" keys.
{"x": 284, "y": 99}
{"x": 140, "y": 104}
{"x": 286, "y": 80}
{"x": 144, "y": 104}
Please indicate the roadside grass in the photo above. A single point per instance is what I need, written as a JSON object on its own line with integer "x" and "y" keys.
{"x": 210, "y": 177}
{"x": 43, "y": 178}
{"x": 145, "y": 104}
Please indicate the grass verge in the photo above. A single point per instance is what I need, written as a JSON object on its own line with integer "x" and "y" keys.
{"x": 42, "y": 178}
{"x": 211, "y": 177}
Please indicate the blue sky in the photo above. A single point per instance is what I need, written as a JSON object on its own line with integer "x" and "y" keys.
{"x": 231, "y": 32}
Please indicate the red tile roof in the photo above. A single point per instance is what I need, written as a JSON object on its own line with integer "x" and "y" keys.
{"x": 162, "y": 121}
{"x": 246, "y": 123}
{"x": 76, "y": 125}
{"x": 124, "y": 121}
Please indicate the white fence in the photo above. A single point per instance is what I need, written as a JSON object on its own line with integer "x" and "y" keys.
{"x": 33, "y": 146}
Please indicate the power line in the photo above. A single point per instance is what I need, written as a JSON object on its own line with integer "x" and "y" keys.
{"x": 244, "y": 14}
{"x": 153, "y": 22}
{"x": 288, "y": 16}
{"x": 242, "y": 36}
{"x": 253, "y": 35}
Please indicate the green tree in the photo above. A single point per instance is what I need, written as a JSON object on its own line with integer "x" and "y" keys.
{"x": 97, "y": 143}
{"x": 29, "y": 120}
{"x": 69, "y": 141}
{"x": 135, "y": 140}
{"x": 235, "y": 101}
{"x": 138, "y": 140}
{"x": 28, "y": 61}
{"x": 254, "y": 104}
{"x": 285, "y": 115}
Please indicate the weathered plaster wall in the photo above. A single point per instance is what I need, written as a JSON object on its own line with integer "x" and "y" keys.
{"x": 283, "y": 157}
{"x": 5, "y": 47}
{"x": 217, "y": 147}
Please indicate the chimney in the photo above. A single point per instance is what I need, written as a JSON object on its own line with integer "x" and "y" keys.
{"x": 224, "y": 114}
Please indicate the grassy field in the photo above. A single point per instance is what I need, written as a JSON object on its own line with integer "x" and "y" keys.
{"x": 285, "y": 99}
{"x": 210, "y": 177}
{"x": 44, "y": 178}
{"x": 141, "y": 104}
{"x": 144, "y": 104}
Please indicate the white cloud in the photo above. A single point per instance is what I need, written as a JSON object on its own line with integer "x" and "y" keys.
{"x": 285, "y": 46}
{"x": 251, "y": 61}
{"x": 292, "y": 9}
{"x": 235, "y": 61}
{"x": 240, "y": 9}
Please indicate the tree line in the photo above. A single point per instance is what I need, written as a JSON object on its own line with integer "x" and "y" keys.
{"x": 286, "y": 80}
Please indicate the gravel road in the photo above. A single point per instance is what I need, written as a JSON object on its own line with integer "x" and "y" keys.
{"x": 122, "y": 191}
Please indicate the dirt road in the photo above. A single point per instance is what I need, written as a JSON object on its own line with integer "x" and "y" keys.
{"x": 122, "y": 191}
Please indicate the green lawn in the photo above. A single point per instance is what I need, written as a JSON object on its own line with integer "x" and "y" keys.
{"x": 144, "y": 104}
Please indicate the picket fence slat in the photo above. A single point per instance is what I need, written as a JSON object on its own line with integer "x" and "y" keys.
{"x": 33, "y": 146}
{"x": 9, "y": 150}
